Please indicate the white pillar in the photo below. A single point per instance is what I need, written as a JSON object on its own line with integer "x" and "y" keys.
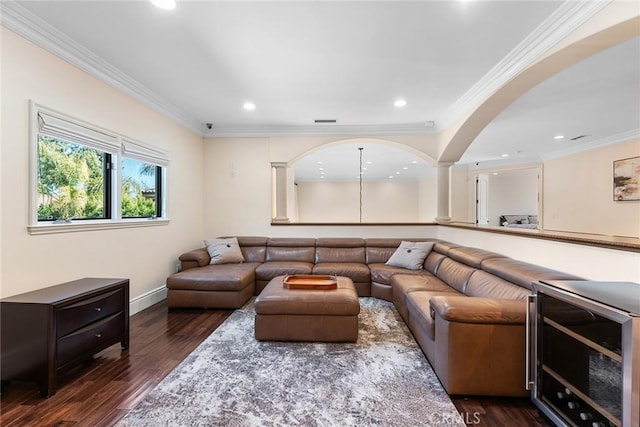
{"x": 443, "y": 192}
{"x": 280, "y": 169}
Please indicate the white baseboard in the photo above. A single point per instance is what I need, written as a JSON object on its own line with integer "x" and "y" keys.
{"x": 147, "y": 299}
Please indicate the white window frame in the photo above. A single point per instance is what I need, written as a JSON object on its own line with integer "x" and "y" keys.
{"x": 52, "y": 123}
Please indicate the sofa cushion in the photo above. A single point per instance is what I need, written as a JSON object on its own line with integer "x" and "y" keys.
{"x": 217, "y": 277}
{"x": 404, "y": 284}
{"x": 224, "y": 251}
{"x": 410, "y": 255}
{"x": 380, "y": 250}
{"x": 253, "y": 248}
{"x": 472, "y": 256}
{"x": 269, "y": 270}
{"x": 355, "y": 271}
{"x": 432, "y": 262}
{"x": 454, "y": 273}
{"x": 291, "y": 249}
{"x": 382, "y": 273}
{"x": 483, "y": 284}
{"x": 444, "y": 247}
{"x": 522, "y": 273}
{"x": 337, "y": 255}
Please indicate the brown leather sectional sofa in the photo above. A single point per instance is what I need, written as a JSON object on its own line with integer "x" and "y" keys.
{"x": 466, "y": 307}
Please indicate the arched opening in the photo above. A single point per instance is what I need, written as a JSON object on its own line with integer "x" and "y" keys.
{"x": 363, "y": 180}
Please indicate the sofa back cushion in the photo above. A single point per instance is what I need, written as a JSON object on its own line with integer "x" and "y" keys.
{"x": 291, "y": 249}
{"x": 454, "y": 274}
{"x": 444, "y": 247}
{"x": 378, "y": 251}
{"x": 522, "y": 273}
{"x": 472, "y": 256}
{"x": 253, "y": 248}
{"x": 433, "y": 261}
{"x": 340, "y": 250}
{"x": 486, "y": 285}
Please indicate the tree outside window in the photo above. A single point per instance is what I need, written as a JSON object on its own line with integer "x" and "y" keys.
{"x": 140, "y": 196}
{"x": 71, "y": 181}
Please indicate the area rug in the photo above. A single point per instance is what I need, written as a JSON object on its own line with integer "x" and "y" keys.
{"x": 233, "y": 380}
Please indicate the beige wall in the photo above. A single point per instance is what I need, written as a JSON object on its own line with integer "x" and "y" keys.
{"x": 145, "y": 255}
{"x": 578, "y": 193}
{"x": 382, "y": 201}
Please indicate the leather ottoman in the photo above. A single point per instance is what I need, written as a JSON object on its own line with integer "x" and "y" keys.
{"x": 307, "y": 315}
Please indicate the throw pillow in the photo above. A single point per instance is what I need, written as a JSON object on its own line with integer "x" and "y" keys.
{"x": 224, "y": 251}
{"x": 410, "y": 255}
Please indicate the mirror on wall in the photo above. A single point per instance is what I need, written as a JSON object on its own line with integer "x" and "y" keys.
{"x": 363, "y": 182}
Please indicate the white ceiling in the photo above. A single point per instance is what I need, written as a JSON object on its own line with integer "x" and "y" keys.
{"x": 349, "y": 61}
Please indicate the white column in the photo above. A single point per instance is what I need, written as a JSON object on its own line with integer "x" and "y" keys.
{"x": 280, "y": 192}
{"x": 443, "y": 192}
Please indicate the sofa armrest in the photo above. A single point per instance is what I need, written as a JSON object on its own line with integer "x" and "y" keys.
{"x": 195, "y": 258}
{"x": 465, "y": 309}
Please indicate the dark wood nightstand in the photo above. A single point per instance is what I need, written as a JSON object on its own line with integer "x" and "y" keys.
{"x": 52, "y": 328}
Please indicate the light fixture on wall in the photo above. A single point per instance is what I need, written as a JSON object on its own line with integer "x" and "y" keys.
{"x": 360, "y": 177}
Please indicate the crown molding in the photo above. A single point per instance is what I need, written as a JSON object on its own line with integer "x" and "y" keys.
{"x": 569, "y": 16}
{"x": 26, "y": 24}
{"x": 597, "y": 143}
{"x": 324, "y": 129}
{"x": 563, "y": 21}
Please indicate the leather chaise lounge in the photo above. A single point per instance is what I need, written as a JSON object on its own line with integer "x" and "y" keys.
{"x": 466, "y": 306}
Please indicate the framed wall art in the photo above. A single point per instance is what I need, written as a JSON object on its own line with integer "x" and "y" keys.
{"x": 626, "y": 179}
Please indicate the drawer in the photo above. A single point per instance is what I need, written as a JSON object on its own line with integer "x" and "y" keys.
{"x": 80, "y": 314}
{"x": 91, "y": 338}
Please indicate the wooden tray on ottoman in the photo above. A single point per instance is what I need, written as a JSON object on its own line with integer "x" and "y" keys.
{"x": 310, "y": 281}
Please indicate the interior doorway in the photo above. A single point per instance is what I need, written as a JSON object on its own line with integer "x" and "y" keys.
{"x": 482, "y": 199}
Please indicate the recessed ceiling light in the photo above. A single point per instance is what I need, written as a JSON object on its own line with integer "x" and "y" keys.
{"x": 164, "y": 4}
{"x": 249, "y": 106}
{"x": 369, "y": 162}
{"x": 397, "y": 173}
{"x": 495, "y": 173}
{"x": 399, "y": 103}
{"x": 405, "y": 168}
{"x": 364, "y": 169}
{"x": 558, "y": 137}
{"x": 390, "y": 176}
{"x": 320, "y": 169}
{"x": 504, "y": 155}
{"x": 414, "y": 161}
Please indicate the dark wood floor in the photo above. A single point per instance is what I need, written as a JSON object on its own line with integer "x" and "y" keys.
{"x": 101, "y": 391}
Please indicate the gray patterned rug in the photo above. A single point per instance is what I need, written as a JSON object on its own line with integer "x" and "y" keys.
{"x": 233, "y": 380}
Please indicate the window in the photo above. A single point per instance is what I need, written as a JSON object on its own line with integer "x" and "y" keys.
{"x": 73, "y": 181}
{"x": 141, "y": 189}
{"x": 85, "y": 177}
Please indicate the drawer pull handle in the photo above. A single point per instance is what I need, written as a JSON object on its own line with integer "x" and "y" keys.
{"x": 98, "y": 309}
{"x": 98, "y": 335}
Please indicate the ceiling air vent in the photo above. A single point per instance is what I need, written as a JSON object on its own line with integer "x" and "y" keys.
{"x": 575, "y": 138}
{"x": 325, "y": 120}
